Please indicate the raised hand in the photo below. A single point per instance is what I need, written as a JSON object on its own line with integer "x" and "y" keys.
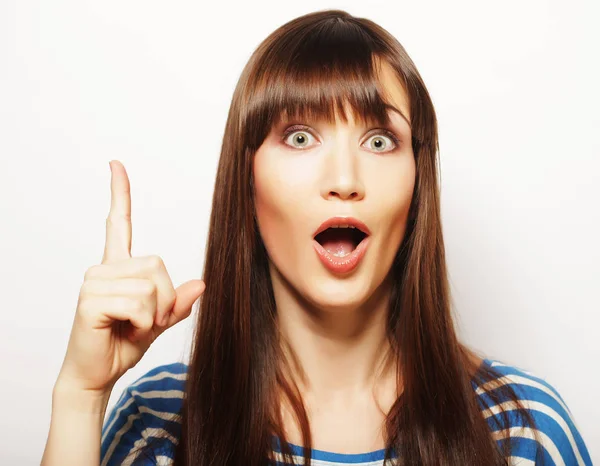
{"x": 124, "y": 304}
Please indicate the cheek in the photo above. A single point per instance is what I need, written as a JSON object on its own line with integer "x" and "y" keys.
{"x": 280, "y": 210}
{"x": 398, "y": 204}
{"x": 394, "y": 193}
{"x": 268, "y": 212}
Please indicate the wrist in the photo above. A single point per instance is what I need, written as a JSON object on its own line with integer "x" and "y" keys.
{"x": 71, "y": 398}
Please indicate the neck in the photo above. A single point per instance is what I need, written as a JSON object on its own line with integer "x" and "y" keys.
{"x": 336, "y": 353}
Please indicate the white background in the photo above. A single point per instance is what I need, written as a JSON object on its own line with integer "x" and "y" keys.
{"x": 515, "y": 85}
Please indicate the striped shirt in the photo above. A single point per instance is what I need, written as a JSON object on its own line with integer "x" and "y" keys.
{"x": 147, "y": 408}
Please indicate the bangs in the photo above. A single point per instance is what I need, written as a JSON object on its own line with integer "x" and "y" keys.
{"x": 316, "y": 74}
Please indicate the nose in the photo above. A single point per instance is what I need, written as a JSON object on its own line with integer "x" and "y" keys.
{"x": 342, "y": 174}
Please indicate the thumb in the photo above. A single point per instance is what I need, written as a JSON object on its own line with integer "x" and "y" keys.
{"x": 186, "y": 296}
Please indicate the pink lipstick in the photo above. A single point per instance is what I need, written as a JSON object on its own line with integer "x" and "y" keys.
{"x": 339, "y": 235}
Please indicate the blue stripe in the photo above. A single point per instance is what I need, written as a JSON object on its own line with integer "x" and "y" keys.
{"x": 346, "y": 458}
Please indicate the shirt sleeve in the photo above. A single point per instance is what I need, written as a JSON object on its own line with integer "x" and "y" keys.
{"x": 560, "y": 439}
{"x": 122, "y": 432}
{"x": 146, "y": 416}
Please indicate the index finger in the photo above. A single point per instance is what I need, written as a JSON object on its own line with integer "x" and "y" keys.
{"x": 118, "y": 222}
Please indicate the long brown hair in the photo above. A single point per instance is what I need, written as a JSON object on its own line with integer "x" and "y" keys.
{"x": 231, "y": 410}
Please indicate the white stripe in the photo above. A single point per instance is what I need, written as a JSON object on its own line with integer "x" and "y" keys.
{"x": 150, "y": 394}
{"x": 159, "y": 393}
{"x": 537, "y": 406}
{"x": 299, "y": 460}
{"x": 159, "y": 432}
{"x": 501, "y": 364}
{"x": 129, "y": 459}
{"x": 526, "y": 432}
{"x": 150, "y": 432}
{"x": 518, "y": 461}
{"x": 517, "y": 379}
{"x": 166, "y": 415}
{"x": 113, "y": 413}
{"x": 162, "y": 460}
{"x": 160, "y": 376}
{"x": 117, "y": 416}
{"x": 130, "y": 419}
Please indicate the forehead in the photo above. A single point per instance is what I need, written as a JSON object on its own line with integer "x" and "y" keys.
{"x": 393, "y": 89}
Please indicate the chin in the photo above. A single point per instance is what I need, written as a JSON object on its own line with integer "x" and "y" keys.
{"x": 338, "y": 296}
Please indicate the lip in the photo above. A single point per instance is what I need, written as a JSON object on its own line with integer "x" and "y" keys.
{"x": 338, "y": 220}
{"x": 343, "y": 264}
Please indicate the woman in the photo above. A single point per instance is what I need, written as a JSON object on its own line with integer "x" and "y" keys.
{"x": 326, "y": 318}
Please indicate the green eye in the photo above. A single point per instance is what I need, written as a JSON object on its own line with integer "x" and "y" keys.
{"x": 300, "y": 136}
{"x": 379, "y": 143}
{"x": 299, "y": 139}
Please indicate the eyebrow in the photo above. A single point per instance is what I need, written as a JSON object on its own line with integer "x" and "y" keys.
{"x": 391, "y": 107}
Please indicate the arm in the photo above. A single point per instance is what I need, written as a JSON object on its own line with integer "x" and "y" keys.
{"x": 138, "y": 294}
{"x": 75, "y": 427}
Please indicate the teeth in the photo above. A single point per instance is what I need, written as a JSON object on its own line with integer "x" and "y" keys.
{"x": 343, "y": 225}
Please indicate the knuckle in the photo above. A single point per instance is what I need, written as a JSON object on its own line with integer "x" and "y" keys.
{"x": 137, "y": 305}
{"x": 83, "y": 304}
{"x": 86, "y": 287}
{"x": 91, "y": 272}
{"x": 147, "y": 288}
{"x": 155, "y": 262}
{"x": 86, "y": 309}
{"x": 145, "y": 316}
{"x": 113, "y": 219}
{"x": 146, "y": 321}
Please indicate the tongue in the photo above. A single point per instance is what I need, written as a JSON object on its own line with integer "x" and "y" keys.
{"x": 337, "y": 241}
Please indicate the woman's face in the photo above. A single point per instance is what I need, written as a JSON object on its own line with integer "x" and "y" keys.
{"x": 321, "y": 171}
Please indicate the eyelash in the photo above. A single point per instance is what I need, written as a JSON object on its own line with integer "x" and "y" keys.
{"x": 381, "y": 131}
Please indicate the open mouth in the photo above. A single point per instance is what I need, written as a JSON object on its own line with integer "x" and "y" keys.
{"x": 340, "y": 241}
